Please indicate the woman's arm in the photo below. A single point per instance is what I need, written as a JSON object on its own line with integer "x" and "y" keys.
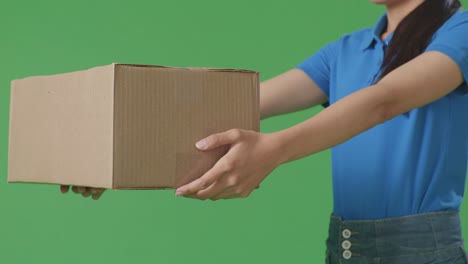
{"x": 421, "y": 81}
{"x": 252, "y": 156}
{"x": 289, "y": 92}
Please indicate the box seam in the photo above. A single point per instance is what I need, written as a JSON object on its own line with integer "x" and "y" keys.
{"x": 114, "y": 73}
{"x": 10, "y": 128}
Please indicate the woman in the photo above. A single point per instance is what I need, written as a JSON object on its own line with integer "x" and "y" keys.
{"x": 396, "y": 118}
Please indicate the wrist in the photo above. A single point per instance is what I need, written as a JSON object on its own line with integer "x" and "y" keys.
{"x": 279, "y": 143}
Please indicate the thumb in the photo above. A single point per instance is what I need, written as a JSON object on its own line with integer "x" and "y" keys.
{"x": 217, "y": 140}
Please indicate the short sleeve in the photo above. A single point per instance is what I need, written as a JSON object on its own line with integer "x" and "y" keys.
{"x": 318, "y": 67}
{"x": 452, "y": 40}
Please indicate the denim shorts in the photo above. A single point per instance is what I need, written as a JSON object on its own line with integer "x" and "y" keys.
{"x": 434, "y": 238}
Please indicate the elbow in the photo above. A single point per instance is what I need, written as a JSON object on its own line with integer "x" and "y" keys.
{"x": 385, "y": 113}
{"x": 386, "y": 106}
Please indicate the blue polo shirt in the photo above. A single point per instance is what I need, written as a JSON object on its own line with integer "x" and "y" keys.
{"x": 414, "y": 163}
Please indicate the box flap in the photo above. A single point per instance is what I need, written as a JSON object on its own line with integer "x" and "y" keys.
{"x": 188, "y": 68}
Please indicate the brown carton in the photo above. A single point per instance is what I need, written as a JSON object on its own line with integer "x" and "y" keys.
{"x": 125, "y": 126}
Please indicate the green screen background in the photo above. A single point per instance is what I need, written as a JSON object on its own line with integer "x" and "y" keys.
{"x": 285, "y": 221}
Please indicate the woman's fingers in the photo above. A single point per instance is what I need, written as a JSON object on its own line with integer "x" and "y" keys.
{"x": 64, "y": 188}
{"x": 81, "y": 189}
{"x": 95, "y": 193}
{"x": 220, "y": 139}
{"x": 221, "y": 167}
{"x": 234, "y": 196}
{"x": 87, "y": 192}
{"x": 75, "y": 189}
{"x": 231, "y": 193}
{"x": 221, "y": 185}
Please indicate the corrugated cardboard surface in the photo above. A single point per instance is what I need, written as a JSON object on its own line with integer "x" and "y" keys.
{"x": 144, "y": 136}
{"x": 161, "y": 112}
{"x": 61, "y": 128}
{"x": 125, "y": 126}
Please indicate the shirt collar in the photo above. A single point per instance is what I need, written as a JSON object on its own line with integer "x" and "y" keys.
{"x": 374, "y": 35}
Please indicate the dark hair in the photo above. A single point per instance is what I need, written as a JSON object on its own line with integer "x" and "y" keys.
{"x": 415, "y": 32}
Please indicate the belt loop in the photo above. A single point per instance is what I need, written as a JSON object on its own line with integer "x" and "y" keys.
{"x": 376, "y": 235}
{"x": 433, "y": 231}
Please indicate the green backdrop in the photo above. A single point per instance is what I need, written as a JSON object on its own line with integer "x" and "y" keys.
{"x": 285, "y": 221}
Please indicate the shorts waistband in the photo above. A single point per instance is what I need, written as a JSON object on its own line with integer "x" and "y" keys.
{"x": 394, "y": 236}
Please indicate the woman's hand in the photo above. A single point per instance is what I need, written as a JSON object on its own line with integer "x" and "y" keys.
{"x": 95, "y": 193}
{"x": 251, "y": 157}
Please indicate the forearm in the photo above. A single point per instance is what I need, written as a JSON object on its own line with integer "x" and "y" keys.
{"x": 276, "y": 100}
{"x": 419, "y": 82}
{"x": 337, "y": 123}
{"x": 289, "y": 92}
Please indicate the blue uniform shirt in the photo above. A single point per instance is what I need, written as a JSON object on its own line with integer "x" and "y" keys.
{"x": 414, "y": 163}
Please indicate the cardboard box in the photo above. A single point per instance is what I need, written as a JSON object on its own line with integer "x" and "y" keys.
{"x": 125, "y": 126}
